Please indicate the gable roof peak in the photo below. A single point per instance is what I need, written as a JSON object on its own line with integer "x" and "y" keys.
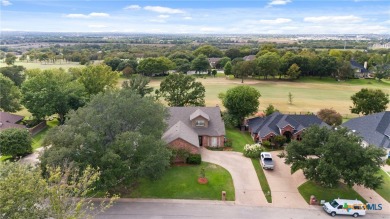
{"x": 199, "y": 112}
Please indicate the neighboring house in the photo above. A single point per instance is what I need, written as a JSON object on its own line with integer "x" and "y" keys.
{"x": 374, "y": 129}
{"x": 291, "y": 126}
{"x": 249, "y": 58}
{"x": 213, "y": 62}
{"x": 193, "y": 127}
{"x": 8, "y": 120}
{"x": 360, "y": 71}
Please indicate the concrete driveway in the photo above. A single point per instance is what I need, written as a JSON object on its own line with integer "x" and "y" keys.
{"x": 246, "y": 183}
{"x": 284, "y": 186}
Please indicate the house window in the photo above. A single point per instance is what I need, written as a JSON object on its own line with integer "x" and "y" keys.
{"x": 299, "y": 138}
{"x": 199, "y": 123}
{"x": 214, "y": 142}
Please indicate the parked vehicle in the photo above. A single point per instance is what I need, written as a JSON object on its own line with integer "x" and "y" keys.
{"x": 345, "y": 207}
{"x": 266, "y": 160}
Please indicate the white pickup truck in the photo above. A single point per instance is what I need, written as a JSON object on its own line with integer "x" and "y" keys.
{"x": 266, "y": 160}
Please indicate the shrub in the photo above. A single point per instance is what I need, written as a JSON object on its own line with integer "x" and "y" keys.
{"x": 15, "y": 142}
{"x": 194, "y": 159}
{"x": 253, "y": 151}
{"x": 388, "y": 161}
{"x": 181, "y": 154}
{"x": 266, "y": 144}
{"x": 228, "y": 143}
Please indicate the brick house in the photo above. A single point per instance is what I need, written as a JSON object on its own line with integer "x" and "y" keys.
{"x": 291, "y": 126}
{"x": 190, "y": 128}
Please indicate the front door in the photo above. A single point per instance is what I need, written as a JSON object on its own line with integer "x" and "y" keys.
{"x": 200, "y": 141}
{"x": 214, "y": 141}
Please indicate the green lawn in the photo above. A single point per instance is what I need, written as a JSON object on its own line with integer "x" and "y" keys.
{"x": 309, "y": 94}
{"x": 310, "y": 188}
{"x": 37, "y": 140}
{"x": 384, "y": 191}
{"x": 180, "y": 182}
{"x": 58, "y": 64}
{"x": 262, "y": 179}
{"x": 239, "y": 139}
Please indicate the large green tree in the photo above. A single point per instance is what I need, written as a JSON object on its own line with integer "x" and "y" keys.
{"x": 269, "y": 64}
{"x": 62, "y": 194}
{"x": 97, "y": 78}
{"x": 15, "y": 73}
{"x": 10, "y": 59}
{"x": 118, "y": 132}
{"x": 182, "y": 90}
{"x": 244, "y": 69}
{"x": 241, "y": 101}
{"x": 228, "y": 68}
{"x": 15, "y": 142}
{"x": 368, "y": 101}
{"x": 329, "y": 156}
{"x": 138, "y": 84}
{"x": 52, "y": 92}
{"x": 9, "y": 95}
{"x": 209, "y": 51}
{"x": 150, "y": 66}
{"x": 200, "y": 64}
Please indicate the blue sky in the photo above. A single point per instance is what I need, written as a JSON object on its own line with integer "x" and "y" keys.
{"x": 202, "y": 16}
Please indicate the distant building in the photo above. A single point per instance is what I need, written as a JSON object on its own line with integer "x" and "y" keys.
{"x": 360, "y": 71}
{"x": 213, "y": 62}
{"x": 249, "y": 58}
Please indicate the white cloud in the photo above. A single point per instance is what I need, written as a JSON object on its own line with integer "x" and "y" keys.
{"x": 5, "y": 3}
{"x": 163, "y": 10}
{"x": 93, "y": 14}
{"x": 163, "y": 16}
{"x": 333, "y": 19}
{"x": 157, "y": 20}
{"x": 273, "y": 22}
{"x": 187, "y": 18}
{"x": 279, "y": 2}
{"x": 97, "y": 26}
{"x": 132, "y": 7}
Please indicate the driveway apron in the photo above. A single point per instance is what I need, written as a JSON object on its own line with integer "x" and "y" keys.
{"x": 246, "y": 184}
{"x": 284, "y": 185}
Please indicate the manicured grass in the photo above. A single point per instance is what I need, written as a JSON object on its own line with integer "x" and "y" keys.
{"x": 180, "y": 182}
{"x": 262, "y": 179}
{"x": 239, "y": 139}
{"x": 32, "y": 65}
{"x": 384, "y": 191}
{"x": 37, "y": 140}
{"x": 310, "y": 94}
{"x": 310, "y": 188}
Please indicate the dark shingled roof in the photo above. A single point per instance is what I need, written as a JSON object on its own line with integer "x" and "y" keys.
{"x": 374, "y": 128}
{"x": 216, "y": 125}
{"x": 276, "y": 121}
{"x": 356, "y": 65}
{"x": 8, "y": 120}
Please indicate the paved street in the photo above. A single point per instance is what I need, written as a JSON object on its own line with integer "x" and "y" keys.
{"x": 204, "y": 209}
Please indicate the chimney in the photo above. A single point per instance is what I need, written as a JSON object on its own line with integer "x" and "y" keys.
{"x": 365, "y": 64}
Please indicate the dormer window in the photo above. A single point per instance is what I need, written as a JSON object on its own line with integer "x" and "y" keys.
{"x": 199, "y": 123}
